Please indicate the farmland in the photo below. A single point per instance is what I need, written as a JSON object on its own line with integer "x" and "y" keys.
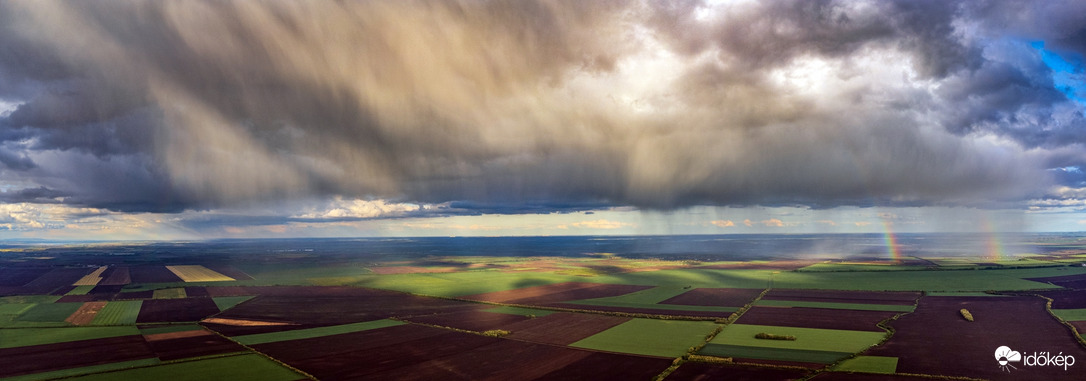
{"x": 345, "y": 315}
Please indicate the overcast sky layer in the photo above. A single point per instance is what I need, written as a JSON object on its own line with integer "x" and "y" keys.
{"x": 171, "y": 119}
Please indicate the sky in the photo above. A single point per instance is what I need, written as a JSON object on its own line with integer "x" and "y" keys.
{"x": 163, "y": 120}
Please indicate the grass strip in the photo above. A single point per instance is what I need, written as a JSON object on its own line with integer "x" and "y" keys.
{"x": 299, "y": 334}
{"x": 84, "y": 370}
{"x": 835, "y": 306}
{"x": 767, "y": 353}
{"x": 869, "y": 364}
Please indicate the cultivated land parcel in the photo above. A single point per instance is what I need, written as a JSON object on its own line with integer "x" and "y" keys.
{"x": 134, "y": 312}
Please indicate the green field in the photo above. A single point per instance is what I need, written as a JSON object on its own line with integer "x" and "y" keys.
{"x": 80, "y": 290}
{"x": 650, "y": 298}
{"x": 248, "y": 367}
{"x": 118, "y": 313}
{"x": 955, "y": 293}
{"x": 227, "y": 302}
{"x": 664, "y": 338}
{"x": 519, "y": 311}
{"x": 24, "y": 299}
{"x": 764, "y": 353}
{"x": 482, "y": 281}
{"x": 936, "y": 280}
{"x": 869, "y": 364}
{"x": 299, "y": 334}
{"x": 19, "y": 337}
{"x": 836, "y": 306}
{"x": 51, "y": 312}
{"x": 1071, "y": 315}
{"x": 830, "y": 340}
{"x": 14, "y": 308}
{"x": 84, "y": 370}
{"x": 463, "y": 283}
{"x": 858, "y": 267}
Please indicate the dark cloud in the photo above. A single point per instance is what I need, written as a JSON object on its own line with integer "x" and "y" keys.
{"x": 40, "y": 195}
{"x": 533, "y": 107}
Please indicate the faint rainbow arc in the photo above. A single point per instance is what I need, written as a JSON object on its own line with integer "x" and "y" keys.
{"x": 993, "y": 245}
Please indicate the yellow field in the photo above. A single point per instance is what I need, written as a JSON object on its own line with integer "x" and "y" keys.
{"x": 198, "y": 273}
{"x": 169, "y": 293}
{"x": 91, "y": 279}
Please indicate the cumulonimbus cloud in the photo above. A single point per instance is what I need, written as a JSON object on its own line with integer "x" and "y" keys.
{"x": 643, "y": 103}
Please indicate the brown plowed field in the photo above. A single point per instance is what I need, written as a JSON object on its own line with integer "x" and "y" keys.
{"x": 196, "y": 292}
{"x": 118, "y": 276}
{"x": 176, "y": 335}
{"x": 935, "y": 339}
{"x": 843, "y": 376}
{"x": 230, "y": 271}
{"x": 176, "y": 310}
{"x": 719, "y": 297}
{"x": 186, "y": 347}
{"x": 650, "y": 311}
{"x": 472, "y": 320}
{"x": 73, "y": 354}
{"x": 692, "y": 371}
{"x": 1066, "y": 299}
{"x": 500, "y": 360}
{"x": 1080, "y": 326}
{"x": 54, "y": 279}
{"x": 85, "y": 313}
{"x": 229, "y": 291}
{"x": 831, "y": 296}
{"x": 332, "y": 345}
{"x": 102, "y": 289}
{"x": 364, "y": 305}
{"x": 134, "y": 295}
{"x": 356, "y": 355}
{"x": 1066, "y": 281}
{"x": 826, "y": 318}
{"x": 18, "y": 276}
{"x": 554, "y": 293}
{"x": 60, "y": 291}
{"x": 152, "y": 274}
{"x": 238, "y": 330}
{"x": 610, "y": 366}
{"x": 562, "y": 328}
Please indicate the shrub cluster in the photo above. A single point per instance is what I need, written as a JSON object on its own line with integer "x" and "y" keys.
{"x": 770, "y": 336}
{"x": 495, "y": 333}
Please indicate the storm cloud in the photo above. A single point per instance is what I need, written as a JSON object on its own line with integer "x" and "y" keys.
{"x": 541, "y": 106}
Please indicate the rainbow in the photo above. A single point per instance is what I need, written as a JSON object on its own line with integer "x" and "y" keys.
{"x": 891, "y": 242}
{"x": 994, "y": 247}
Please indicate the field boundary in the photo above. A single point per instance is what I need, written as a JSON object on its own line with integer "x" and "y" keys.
{"x": 692, "y": 351}
{"x": 1074, "y": 331}
{"x": 262, "y": 354}
{"x": 885, "y": 325}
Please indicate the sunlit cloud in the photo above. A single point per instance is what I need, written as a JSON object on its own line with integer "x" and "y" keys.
{"x": 276, "y": 117}
{"x": 722, "y": 223}
{"x": 602, "y": 224}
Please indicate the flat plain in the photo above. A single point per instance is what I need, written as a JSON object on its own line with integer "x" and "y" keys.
{"x": 348, "y": 314}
